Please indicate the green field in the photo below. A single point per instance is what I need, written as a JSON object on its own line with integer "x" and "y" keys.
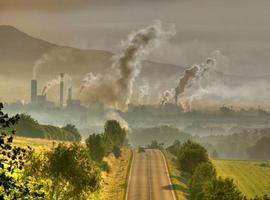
{"x": 252, "y": 177}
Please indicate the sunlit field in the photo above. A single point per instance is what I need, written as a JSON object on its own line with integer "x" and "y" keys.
{"x": 252, "y": 177}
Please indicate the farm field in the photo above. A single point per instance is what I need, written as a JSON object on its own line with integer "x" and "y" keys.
{"x": 252, "y": 177}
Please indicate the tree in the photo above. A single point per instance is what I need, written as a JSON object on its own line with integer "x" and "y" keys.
{"x": 261, "y": 150}
{"x": 73, "y": 130}
{"x": 203, "y": 173}
{"x": 115, "y": 132}
{"x": 175, "y": 148}
{"x": 97, "y": 146}
{"x": 221, "y": 189}
{"x": 13, "y": 185}
{"x": 191, "y": 155}
{"x": 215, "y": 154}
{"x": 72, "y": 172}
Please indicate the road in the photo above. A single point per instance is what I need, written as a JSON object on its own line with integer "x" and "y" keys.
{"x": 149, "y": 178}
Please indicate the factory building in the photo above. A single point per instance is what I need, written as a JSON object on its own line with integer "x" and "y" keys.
{"x": 33, "y": 91}
{"x": 61, "y": 90}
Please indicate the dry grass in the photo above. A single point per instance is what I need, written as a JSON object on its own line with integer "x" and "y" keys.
{"x": 179, "y": 182}
{"x": 37, "y": 144}
{"x": 251, "y": 177}
{"x": 115, "y": 181}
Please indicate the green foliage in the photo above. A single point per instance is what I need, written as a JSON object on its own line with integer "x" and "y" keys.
{"x": 203, "y": 173}
{"x": 115, "y": 132}
{"x": 72, "y": 173}
{"x": 13, "y": 185}
{"x": 28, "y": 127}
{"x": 97, "y": 146}
{"x": 221, "y": 189}
{"x": 261, "y": 150}
{"x": 191, "y": 155}
{"x": 73, "y": 130}
{"x": 214, "y": 154}
{"x": 116, "y": 151}
{"x": 155, "y": 145}
{"x": 175, "y": 148}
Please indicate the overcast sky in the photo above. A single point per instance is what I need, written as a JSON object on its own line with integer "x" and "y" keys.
{"x": 239, "y": 29}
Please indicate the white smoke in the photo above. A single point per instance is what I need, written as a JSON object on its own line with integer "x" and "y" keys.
{"x": 143, "y": 97}
{"x": 116, "y": 87}
{"x": 54, "y": 55}
{"x": 56, "y": 81}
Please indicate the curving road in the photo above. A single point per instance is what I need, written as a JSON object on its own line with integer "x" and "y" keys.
{"x": 149, "y": 178}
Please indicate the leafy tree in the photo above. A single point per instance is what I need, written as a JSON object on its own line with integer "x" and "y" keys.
{"x": 72, "y": 173}
{"x": 175, "y": 148}
{"x": 191, "y": 155}
{"x": 203, "y": 173}
{"x": 261, "y": 150}
{"x": 73, "y": 130}
{"x": 115, "y": 132}
{"x": 221, "y": 189}
{"x": 215, "y": 154}
{"x": 97, "y": 146}
{"x": 155, "y": 145}
{"x": 116, "y": 151}
{"x": 13, "y": 185}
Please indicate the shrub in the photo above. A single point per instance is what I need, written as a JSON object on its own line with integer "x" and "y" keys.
{"x": 203, "y": 173}
{"x": 13, "y": 185}
{"x": 72, "y": 173}
{"x": 191, "y": 155}
{"x": 221, "y": 189}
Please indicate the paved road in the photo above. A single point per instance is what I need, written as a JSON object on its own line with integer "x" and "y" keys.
{"x": 148, "y": 178}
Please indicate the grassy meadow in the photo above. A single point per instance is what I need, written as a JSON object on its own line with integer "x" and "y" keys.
{"x": 252, "y": 177}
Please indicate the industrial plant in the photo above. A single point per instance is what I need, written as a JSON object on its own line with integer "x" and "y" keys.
{"x": 41, "y": 101}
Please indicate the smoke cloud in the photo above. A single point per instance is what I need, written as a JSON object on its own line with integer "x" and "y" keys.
{"x": 143, "y": 97}
{"x": 116, "y": 87}
{"x": 56, "y": 81}
{"x": 55, "y": 54}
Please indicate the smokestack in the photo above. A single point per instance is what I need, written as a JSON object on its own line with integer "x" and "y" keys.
{"x": 61, "y": 89}
{"x": 33, "y": 91}
{"x": 70, "y": 93}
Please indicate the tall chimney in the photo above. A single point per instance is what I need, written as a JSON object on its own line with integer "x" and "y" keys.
{"x": 61, "y": 89}
{"x": 33, "y": 91}
{"x": 70, "y": 93}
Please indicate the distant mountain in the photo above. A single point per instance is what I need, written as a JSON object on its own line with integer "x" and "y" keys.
{"x": 19, "y": 52}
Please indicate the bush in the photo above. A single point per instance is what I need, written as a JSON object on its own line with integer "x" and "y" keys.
{"x": 115, "y": 132}
{"x": 203, "y": 173}
{"x": 191, "y": 155}
{"x": 175, "y": 148}
{"x": 221, "y": 189}
{"x": 13, "y": 185}
{"x": 96, "y": 146}
{"x": 72, "y": 172}
{"x": 116, "y": 151}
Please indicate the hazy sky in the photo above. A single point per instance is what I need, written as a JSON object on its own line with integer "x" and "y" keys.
{"x": 240, "y": 29}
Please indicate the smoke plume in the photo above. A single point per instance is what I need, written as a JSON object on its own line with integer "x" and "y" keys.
{"x": 143, "y": 96}
{"x": 56, "y": 81}
{"x": 55, "y": 54}
{"x": 115, "y": 88}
